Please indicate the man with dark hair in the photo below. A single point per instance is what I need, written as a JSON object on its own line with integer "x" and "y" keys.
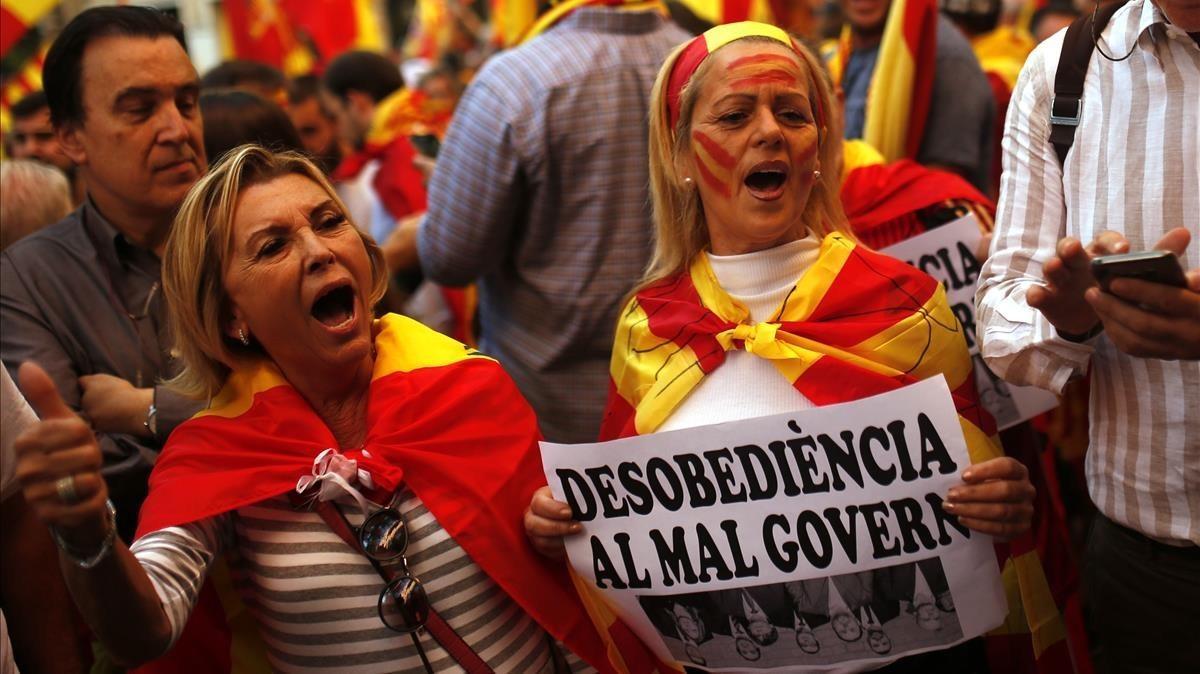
{"x": 33, "y": 137}
{"x": 359, "y": 81}
{"x": 315, "y": 121}
{"x": 257, "y": 78}
{"x": 81, "y": 297}
{"x": 380, "y": 181}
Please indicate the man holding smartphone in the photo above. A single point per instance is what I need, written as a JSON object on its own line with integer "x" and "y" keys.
{"x": 1130, "y": 182}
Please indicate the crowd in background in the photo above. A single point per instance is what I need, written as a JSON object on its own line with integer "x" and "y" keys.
{"x": 500, "y": 165}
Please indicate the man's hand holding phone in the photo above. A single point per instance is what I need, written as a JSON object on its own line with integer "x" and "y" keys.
{"x": 1142, "y": 318}
{"x": 1153, "y": 319}
{"x": 1068, "y": 276}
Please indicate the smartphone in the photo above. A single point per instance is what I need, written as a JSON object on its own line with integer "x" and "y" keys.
{"x": 1156, "y": 266}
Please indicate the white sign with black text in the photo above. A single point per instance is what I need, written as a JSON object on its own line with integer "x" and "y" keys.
{"x": 792, "y": 543}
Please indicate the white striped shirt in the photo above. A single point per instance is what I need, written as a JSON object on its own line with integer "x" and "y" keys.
{"x": 1134, "y": 168}
{"x": 314, "y": 597}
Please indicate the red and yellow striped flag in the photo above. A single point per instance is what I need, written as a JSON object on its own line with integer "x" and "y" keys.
{"x": 901, "y": 87}
{"x": 858, "y": 323}
{"x": 25, "y": 82}
{"x": 17, "y": 16}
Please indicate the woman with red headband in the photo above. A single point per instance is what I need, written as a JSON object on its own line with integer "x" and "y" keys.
{"x": 757, "y": 284}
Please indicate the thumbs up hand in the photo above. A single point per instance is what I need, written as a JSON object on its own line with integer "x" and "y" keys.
{"x": 58, "y": 465}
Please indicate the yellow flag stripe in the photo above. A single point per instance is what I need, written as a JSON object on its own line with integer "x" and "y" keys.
{"x": 368, "y": 34}
{"x": 1045, "y": 623}
{"x": 889, "y": 98}
{"x": 404, "y": 345}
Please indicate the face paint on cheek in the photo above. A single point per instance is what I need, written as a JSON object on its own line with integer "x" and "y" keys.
{"x": 714, "y": 163}
{"x": 808, "y": 152}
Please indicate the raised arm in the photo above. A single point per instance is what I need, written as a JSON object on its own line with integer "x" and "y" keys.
{"x": 58, "y": 466}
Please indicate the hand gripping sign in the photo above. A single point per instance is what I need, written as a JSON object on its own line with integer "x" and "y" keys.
{"x": 792, "y": 542}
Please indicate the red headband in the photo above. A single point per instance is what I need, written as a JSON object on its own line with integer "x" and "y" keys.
{"x": 699, "y": 49}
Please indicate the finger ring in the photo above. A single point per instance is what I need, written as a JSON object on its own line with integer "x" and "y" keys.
{"x": 65, "y": 486}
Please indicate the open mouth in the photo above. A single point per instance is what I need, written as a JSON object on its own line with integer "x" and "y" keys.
{"x": 766, "y": 181}
{"x": 335, "y": 307}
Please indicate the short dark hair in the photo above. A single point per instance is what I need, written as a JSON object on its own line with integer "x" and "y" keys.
{"x": 29, "y": 105}
{"x": 363, "y": 71}
{"x": 233, "y": 117}
{"x": 304, "y": 88}
{"x": 235, "y": 73}
{"x": 63, "y": 70}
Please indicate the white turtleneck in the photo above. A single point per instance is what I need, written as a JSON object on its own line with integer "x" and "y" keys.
{"x": 746, "y": 386}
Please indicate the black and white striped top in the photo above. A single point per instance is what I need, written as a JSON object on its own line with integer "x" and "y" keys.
{"x": 314, "y": 597}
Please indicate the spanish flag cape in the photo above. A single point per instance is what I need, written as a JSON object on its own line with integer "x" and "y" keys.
{"x": 901, "y": 88}
{"x": 442, "y": 419}
{"x": 883, "y": 200}
{"x": 857, "y": 323}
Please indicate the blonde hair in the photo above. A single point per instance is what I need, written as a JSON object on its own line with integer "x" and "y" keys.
{"x": 197, "y": 253}
{"x": 35, "y": 195}
{"x": 680, "y": 233}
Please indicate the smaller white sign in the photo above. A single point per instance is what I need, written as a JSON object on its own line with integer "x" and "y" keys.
{"x": 947, "y": 253}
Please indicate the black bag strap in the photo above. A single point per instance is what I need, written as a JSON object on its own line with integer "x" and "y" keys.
{"x": 1067, "y": 104}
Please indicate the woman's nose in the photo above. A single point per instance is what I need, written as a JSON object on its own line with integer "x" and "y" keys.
{"x": 767, "y": 131}
{"x": 317, "y": 253}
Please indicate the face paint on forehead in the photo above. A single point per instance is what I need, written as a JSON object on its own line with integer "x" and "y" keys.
{"x": 762, "y": 69}
{"x": 714, "y": 163}
{"x": 773, "y": 76}
{"x": 756, "y": 59}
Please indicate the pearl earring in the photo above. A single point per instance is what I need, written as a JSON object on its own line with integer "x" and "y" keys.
{"x": 243, "y": 338}
{"x": 688, "y": 182}
{"x": 817, "y": 174}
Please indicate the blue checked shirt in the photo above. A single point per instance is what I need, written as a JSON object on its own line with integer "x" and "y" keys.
{"x": 541, "y": 194}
